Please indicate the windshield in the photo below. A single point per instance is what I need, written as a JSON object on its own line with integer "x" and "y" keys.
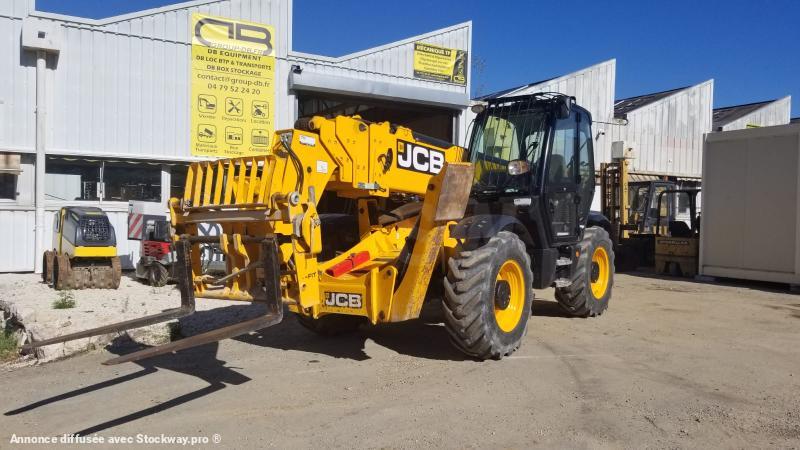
{"x": 500, "y": 136}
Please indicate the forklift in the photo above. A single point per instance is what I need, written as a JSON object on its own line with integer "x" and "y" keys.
{"x": 677, "y": 244}
{"x": 633, "y": 209}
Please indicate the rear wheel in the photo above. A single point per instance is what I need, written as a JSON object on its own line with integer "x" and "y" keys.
{"x": 593, "y": 277}
{"x": 157, "y": 274}
{"x": 488, "y": 296}
{"x": 331, "y": 324}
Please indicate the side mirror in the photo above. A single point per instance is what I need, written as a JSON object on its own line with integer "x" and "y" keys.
{"x": 518, "y": 167}
{"x": 478, "y": 108}
{"x": 564, "y": 107}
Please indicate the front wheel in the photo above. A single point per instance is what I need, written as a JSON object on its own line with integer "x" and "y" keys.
{"x": 488, "y": 297}
{"x": 592, "y": 278}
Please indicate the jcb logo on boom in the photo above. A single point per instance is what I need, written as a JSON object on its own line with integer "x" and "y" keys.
{"x": 246, "y": 37}
{"x": 418, "y": 158}
{"x": 343, "y": 300}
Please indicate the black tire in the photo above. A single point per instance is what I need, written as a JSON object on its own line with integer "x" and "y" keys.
{"x": 62, "y": 273}
{"x": 47, "y": 266}
{"x": 157, "y": 275}
{"x": 331, "y": 324}
{"x": 116, "y": 272}
{"x": 470, "y": 288}
{"x": 578, "y": 299}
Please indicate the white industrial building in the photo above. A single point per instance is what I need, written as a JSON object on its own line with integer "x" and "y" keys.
{"x": 666, "y": 129}
{"x": 112, "y": 98}
{"x": 753, "y": 115}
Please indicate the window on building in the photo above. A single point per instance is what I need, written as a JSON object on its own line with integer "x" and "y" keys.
{"x": 8, "y": 186}
{"x": 9, "y": 171}
{"x": 123, "y": 182}
{"x": 178, "y": 181}
{"x": 68, "y": 180}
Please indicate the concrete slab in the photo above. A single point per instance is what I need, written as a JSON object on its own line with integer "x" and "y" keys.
{"x": 30, "y": 304}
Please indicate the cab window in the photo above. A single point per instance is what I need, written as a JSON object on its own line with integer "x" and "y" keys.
{"x": 562, "y": 159}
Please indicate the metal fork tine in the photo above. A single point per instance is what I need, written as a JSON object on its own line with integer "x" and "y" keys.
{"x": 164, "y": 316}
{"x": 272, "y": 296}
{"x": 201, "y": 339}
{"x": 183, "y": 273}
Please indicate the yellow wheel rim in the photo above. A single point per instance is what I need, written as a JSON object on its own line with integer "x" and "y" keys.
{"x": 600, "y": 271}
{"x": 509, "y": 296}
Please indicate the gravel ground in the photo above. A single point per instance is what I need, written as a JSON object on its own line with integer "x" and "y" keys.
{"x": 672, "y": 364}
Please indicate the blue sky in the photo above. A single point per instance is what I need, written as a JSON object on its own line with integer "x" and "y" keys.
{"x": 750, "y": 47}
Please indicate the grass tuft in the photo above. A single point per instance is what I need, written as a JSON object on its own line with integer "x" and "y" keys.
{"x": 8, "y": 345}
{"x": 65, "y": 300}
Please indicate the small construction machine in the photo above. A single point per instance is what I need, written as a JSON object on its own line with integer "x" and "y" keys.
{"x": 148, "y": 222}
{"x": 84, "y": 253}
{"x": 347, "y": 222}
{"x": 677, "y": 244}
{"x": 156, "y": 257}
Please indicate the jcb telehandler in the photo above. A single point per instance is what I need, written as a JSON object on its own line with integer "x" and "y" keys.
{"x": 477, "y": 230}
{"x": 84, "y": 253}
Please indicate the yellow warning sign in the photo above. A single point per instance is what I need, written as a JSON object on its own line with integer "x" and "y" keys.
{"x": 233, "y": 87}
{"x": 440, "y": 64}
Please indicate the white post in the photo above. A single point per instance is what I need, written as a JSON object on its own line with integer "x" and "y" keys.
{"x": 166, "y": 178}
{"x": 41, "y": 120}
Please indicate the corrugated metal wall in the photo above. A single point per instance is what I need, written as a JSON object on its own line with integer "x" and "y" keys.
{"x": 17, "y": 240}
{"x": 668, "y": 134}
{"x": 121, "y": 88}
{"x": 396, "y": 60}
{"x": 394, "y": 63}
{"x": 778, "y": 112}
{"x": 593, "y": 88}
{"x": 18, "y": 87}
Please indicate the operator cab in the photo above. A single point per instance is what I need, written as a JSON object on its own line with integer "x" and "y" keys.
{"x": 533, "y": 158}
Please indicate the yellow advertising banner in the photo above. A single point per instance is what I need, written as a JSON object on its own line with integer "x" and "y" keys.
{"x": 440, "y": 63}
{"x": 232, "y": 87}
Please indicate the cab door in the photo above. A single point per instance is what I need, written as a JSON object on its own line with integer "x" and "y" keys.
{"x": 561, "y": 190}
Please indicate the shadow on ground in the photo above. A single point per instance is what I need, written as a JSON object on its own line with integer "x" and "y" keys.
{"x": 545, "y": 308}
{"x": 764, "y": 286}
{"x": 200, "y": 362}
{"x": 414, "y": 338}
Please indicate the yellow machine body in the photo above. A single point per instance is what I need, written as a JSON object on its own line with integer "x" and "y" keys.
{"x": 679, "y": 252}
{"x": 84, "y": 253}
{"x": 253, "y": 198}
{"x": 345, "y": 222}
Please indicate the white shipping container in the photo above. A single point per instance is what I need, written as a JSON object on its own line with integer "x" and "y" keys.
{"x": 750, "y": 227}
